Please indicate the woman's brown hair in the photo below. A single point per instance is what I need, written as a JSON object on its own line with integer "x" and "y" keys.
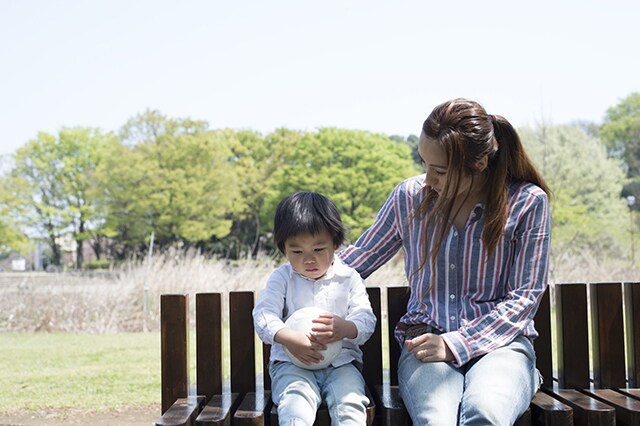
{"x": 467, "y": 134}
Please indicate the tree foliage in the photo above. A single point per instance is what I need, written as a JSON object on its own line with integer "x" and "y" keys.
{"x": 357, "y": 170}
{"x": 55, "y": 175}
{"x": 586, "y": 184}
{"x": 216, "y": 190}
{"x": 621, "y": 132}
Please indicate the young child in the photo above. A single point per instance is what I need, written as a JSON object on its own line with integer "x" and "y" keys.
{"x": 308, "y": 230}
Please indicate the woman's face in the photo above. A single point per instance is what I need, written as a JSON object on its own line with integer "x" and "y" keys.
{"x": 435, "y": 161}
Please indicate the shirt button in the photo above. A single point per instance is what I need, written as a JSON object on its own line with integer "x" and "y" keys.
{"x": 452, "y": 296}
{"x": 452, "y": 266}
{"x": 452, "y": 318}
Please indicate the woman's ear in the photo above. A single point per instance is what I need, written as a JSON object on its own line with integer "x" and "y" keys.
{"x": 483, "y": 163}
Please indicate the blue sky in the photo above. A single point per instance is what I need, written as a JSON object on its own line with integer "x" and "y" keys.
{"x": 364, "y": 64}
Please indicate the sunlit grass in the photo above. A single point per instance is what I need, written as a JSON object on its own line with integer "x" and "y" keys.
{"x": 80, "y": 371}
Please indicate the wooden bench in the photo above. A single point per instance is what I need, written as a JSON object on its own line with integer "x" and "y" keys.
{"x": 574, "y": 396}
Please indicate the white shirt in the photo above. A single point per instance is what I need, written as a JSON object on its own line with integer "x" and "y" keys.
{"x": 341, "y": 291}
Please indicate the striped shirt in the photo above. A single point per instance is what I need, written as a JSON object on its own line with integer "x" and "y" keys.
{"x": 479, "y": 303}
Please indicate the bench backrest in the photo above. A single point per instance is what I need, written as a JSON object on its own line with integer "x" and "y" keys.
{"x": 613, "y": 339}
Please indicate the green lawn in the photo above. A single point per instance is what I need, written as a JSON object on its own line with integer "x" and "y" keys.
{"x": 92, "y": 372}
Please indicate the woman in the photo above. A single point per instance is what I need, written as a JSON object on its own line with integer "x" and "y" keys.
{"x": 475, "y": 232}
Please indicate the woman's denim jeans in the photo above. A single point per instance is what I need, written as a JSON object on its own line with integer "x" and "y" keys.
{"x": 298, "y": 393}
{"x": 494, "y": 389}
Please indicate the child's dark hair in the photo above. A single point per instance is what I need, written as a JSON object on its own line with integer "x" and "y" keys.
{"x": 307, "y": 213}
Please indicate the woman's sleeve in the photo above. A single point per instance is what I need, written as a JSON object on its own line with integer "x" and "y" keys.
{"x": 381, "y": 241}
{"x": 526, "y": 283}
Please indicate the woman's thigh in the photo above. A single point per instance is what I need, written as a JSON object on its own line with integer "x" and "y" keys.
{"x": 500, "y": 385}
{"x": 431, "y": 391}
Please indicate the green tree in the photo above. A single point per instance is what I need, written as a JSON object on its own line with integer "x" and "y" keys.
{"x": 253, "y": 165}
{"x": 193, "y": 187}
{"x": 56, "y": 175}
{"x": 124, "y": 200}
{"x": 356, "y": 169}
{"x": 12, "y": 238}
{"x": 586, "y": 184}
{"x": 169, "y": 176}
{"x": 621, "y": 132}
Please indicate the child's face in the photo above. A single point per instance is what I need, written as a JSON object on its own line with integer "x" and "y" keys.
{"x": 310, "y": 255}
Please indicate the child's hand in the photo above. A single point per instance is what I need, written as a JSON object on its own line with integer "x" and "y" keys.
{"x": 331, "y": 328}
{"x": 302, "y": 346}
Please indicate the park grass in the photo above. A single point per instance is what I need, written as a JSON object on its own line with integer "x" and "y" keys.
{"x": 40, "y": 371}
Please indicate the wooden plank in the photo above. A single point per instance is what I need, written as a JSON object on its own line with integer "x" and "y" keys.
{"x": 392, "y": 411}
{"x": 243, "y": 365}
{"x": 632, "y": 311}
{"x": 209, "y": 350}
{"x": 573, "y": 335}
{"x": 524, "y": 419}
{"x": 219, "y": 410}
{"x": 253, "y": 410}
{"x": 174, "y": 333}
{"x": 608, "y": 335}
{"x": 183, "y": 412}
{"x": 627, "y": 408}
{"x": 266, "y": 378}
{"x": 372, "y": 349}
{"x": 542, "y": 343}
{"x": 586, "y": 410}
{"x": 397, "y": 299}
{"x": 548, "y": 411}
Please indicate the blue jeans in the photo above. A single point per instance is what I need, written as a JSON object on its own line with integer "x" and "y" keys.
{"x": 298, "y": 393}
{"x": 494, "y": 389}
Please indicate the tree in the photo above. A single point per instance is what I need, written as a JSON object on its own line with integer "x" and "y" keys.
{"x": 56, "y": 175}
{"x": 356, "y": 169}
{"x": 124, "y": 199}
{"x": 586, "y": 184}
{"x": 253, "y": 162}
{"x": 621, "y": 133}
{"x": 12, "y": 238}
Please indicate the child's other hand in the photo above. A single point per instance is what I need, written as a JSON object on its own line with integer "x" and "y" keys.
{"x": 331, "y": 328}
{"x": 302, "y": 346}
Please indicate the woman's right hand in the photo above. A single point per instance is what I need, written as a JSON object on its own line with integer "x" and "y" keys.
{"x": 429, "y": 347}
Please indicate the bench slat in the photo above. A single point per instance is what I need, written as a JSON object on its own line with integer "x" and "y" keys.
{"x": 372, "y": 349}
{"x": 243, "y": 365}
{"x": 627, "y": 408}
{"x": 632, "y": 311}
{"x": 586, "y": 410}
{"x": 254, "y": 409}
{"x": 548, "y": 411}
{"x": 183, "y": 412}
{"x": 174, "y": 334}
{"x": 608, "y": 335}
{"x": 219, "y": 410}
{"x": 209, "y": 351}
{"x": 542, "y": 344}
{"x": 573, "y": 335}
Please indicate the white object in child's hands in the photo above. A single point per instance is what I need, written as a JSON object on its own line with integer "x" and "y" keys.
{"x": 301, "y": 320}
